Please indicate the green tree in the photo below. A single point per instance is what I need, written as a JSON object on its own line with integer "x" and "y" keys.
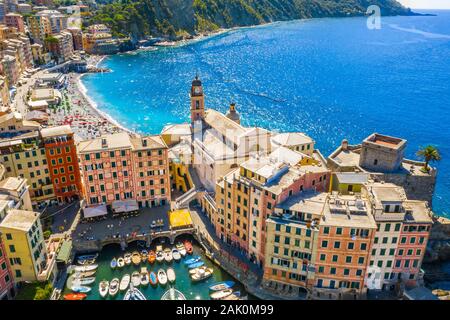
{"x": 430, "y": 154}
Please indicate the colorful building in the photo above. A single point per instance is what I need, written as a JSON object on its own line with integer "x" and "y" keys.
{"x": 7, "y": 288}
{"x": 15, "y": 20}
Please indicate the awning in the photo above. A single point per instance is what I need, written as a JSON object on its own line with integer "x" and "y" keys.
{"x": 124, "y": 206}
{"x": 64, "y": 252}
{"x": 97, "y": 211}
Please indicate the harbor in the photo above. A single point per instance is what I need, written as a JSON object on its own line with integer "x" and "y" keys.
{"x": 185, "y": 282}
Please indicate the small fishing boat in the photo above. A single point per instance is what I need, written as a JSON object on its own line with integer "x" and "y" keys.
{"x": 193, "y": 260}
{"x": 153, "y": 279}
{"x": 176, "y": 254}
{"x": 159, "y": 254}
{"x": 80, "y": 289}
{"x": 87, "y": 257}
{"x": 86, "y": 268}
{"x": 202, "y": 274}
{"x": 173, "y": 294}
{"x": 83, "y": 281}
{"x": 144, "y": 255}
{"x": 188, "y": 247}
{"x": 114, "y": 287}
{"x": 125, "y": 282}
{"x": 136, "y": 279}
{"x": 86, "y": 274}
{"x": 103, "y": 288}
{"x": 144, "y": 277}
{"x": 196, "y": 265}
{"x": 218, "y": 295}
{"x": 127, "y": 258}
{"x": 134, "y": 294}
{"x": 171, "y": 275}
{"x": 120, "y": 262}
{"x": 181, "y": 249}
{"x": 86, "y": 262}
{"x": 136, "y": 258}
{"x": 221, "y": 286}
{"x": 234, "y": 296}
{"x": 168, "y": 255}
{"x": 113, "y": 263}
{"x": 162, "y": 277}
{"x": 151, "y": 257}
{"x": 75, "y": 296}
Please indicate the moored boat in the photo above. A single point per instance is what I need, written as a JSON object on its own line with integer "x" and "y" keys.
{"x": 103, "y": 288}
{"x": 218, "y": 295}
{"x": 171, "y": 276}
{"x": 151, "y": 256}
{"x": 202, "y": 274}
{"x": 120, "y": 262}
{"x": 144, "y": 277}
{"x": 87, "y": 257}
{"x": 193, "y": 260}
{"x": 86, "y": 268}
{"x": 136, "y": 258}
{"x": 159, "y": 254}
{"x": 181, "y": 249}
{"x": 144, "y": 255}
{"x": 83, "y": 281}
{"x": 86, "y": 274}
{"x": 114, "y": 287}
{"x": 162, "y": 277}
{"x": 80, "y": 289}
{"x": 234, "y": 296}
{"x": 86, "y": 262}
{"x": 221, "y": 286}
{"x": 136, "y": 279}
{"x": 127, "y": 258}
{"x": 168, "y": 255}
{"x": 75, "y": 296}
{"x": 113, "y": 263}
{"x": 173, "y": 294}
{"x": 188, "y": 247}
{"x": 125, "y": 282}
{"x": 176, "y": 254}
{"x": 134, "y": 294}
{"x": 196, "y": 265}
{"x": 153, "y": 278}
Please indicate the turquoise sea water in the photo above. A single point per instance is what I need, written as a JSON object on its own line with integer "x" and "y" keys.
{"x": 331, "y": 78}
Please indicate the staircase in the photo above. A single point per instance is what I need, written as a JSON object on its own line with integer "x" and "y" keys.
{"x": 183, "y": 200}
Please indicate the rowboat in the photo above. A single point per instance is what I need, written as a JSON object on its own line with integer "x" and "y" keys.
{"x": 193, "y": 260}
{"x": 159, "y": 254}
{"x": 127, "y": 258}
{"x": 86, "y": 274}
{"x": 218, "y": 295}
{"x": 195, "y": 265}
{"x": 173, "y": 294}
{"x": 87, "y": 257}
{"x": 188, "y": 246}
{"x": 125, "y": 282}
{"x": 136, "y": 258}
{"x": 103, "y": 288}
{"x": 114, "y": 287}
{"x": 144, "y": 255}
{"x": 234, "y": 296}
{"x": 221, "y": 286}
{"x": 144, "y": 277}
{"x": 168, "y": 255}
{"x": 74, "y": 296}
{"x": 176, "y": 254}
{"x": 202, "y": 274}
{"x": 134, "y": 294}
{"x": 151, "y": 256}
{"x": 120, "y": 262}
{"x": 180, "y": 247}
{"x": 86, "y": 268}
{"x": 113, "y": 263}
{"x": 162, "y": 277}
{"x": 153, "y": 279}
{"x": 136, "y": 279}
{"x": 80, "y": 289}
{"x": 171, "y": 275}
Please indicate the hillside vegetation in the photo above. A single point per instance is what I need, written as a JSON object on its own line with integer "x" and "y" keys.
{"x": 181, "y": 18}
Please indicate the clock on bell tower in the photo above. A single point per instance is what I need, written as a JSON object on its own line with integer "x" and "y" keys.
{"x": 197, "y": 100}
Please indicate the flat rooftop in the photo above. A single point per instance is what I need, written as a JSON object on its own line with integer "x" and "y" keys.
{"x": 305, "y": 202}
{"x": 420, "y": 212}
{"x": 114, "y": 141}
{"x": 56, "y": 131}
{"x": 19, "y": 220}
{"x": 386, "y": 141}
{"x": 387, "y": 192}
{"x": 12, "y": 183}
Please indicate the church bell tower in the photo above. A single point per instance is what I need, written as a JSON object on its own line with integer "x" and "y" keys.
{"x": 197, "y": 100}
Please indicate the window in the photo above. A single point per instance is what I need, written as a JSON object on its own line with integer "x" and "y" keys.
{"x": 12, "y": 248}
{"x": 326, "y": 230}
{"x": 351, "y": 245}
{"x": 397, "y": 226}
{"x": 387, "y": 227}
{"x": 323, "y": 257}
{"x": 363, "y": 246}
{"x": 324, "y": 243}
{"x": 348, "y": 259}
{"x": 337, "y": 244}
{"x": 339, "y": 231}
{"x": 335, "y": 258}
{"x": 9, "y": 236}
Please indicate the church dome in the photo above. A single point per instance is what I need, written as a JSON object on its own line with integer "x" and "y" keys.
{"x": 232, "y": 114}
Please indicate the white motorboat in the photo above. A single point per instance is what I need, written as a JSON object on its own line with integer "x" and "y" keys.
{"x": 87, "y": 268}
{"x": 176, "y": 254}
{"x": 125, "y": 282}
{"x": 202, "y": 274}
{"x": 159, "y": 254}
{"x": 120, "y": 262}
{"x": 162, "y": 277}
{"x": 103, "y": 288}
{"x": 145, "y": 278}
{"x": 134, "y": 294}
{"x": 218, "y": 295}
{"x": 168, "y": 255}
{"x": 84, "y": 281}
{"x": 127, "y": 258}
{"x": 114, "y": 287}
{"x": 171, "y": 275}
{"x": 136, "y": 279}
{"x": 181, "y": 249}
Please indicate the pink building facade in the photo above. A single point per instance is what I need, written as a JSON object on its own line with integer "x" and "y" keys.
{"x": 6, "y": 278}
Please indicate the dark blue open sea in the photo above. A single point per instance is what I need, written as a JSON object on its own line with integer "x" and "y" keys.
{"x": 331, "y": 78}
